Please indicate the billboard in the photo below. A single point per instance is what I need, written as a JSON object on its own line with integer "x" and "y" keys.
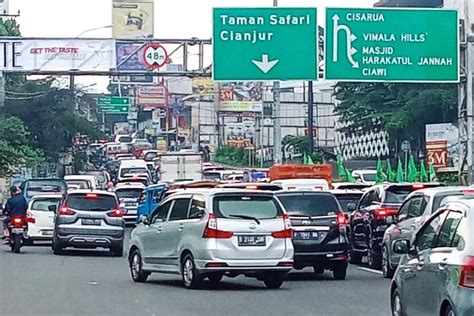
{"x": 152, "y": 96}
{"x": 132, "y": 18}
{"x": 442, "y": 145}
{"x": 203, "y": 86}
{"x": 38, "y": 55}
{"x": 240, "y": 134}
{"x": 241, "y": 97}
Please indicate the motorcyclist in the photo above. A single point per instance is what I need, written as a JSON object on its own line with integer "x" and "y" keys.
{"x": 16, "y": 205}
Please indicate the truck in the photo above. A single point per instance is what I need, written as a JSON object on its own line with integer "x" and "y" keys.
{"x": 180, "y": 166}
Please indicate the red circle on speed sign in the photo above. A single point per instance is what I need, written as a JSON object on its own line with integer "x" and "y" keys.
{"x": 155, "y": 55}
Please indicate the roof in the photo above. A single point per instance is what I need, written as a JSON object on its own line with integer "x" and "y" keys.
{"x": 293, "y": 192}
{"x": 127, "y": 185}
{"x": 46, "y": 196}
{"x": 438, "y": 190}
{"x": 215, "y": 191}
{"x": 341, "y": 192}
{"x": 156, "y": 186}
{"x": 79, "y": 177}
{"x": 85, "y": 191}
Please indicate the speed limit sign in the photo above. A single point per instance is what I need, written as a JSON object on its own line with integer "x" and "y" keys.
{"x": 155, "y": 55}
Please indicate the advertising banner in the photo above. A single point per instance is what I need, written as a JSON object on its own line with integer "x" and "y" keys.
{"x": 57, "y": 55}
{"x": 132, "y": 18}
{"x": 152, "y": 97}
{"x": 241, "y": 97}
{"x": 240, "y": 134}
{"x": 442, "y": 145}
{"x": 203, "y": 86}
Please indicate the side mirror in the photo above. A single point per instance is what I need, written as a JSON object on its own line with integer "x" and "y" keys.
{"x": 196, "y": 213}
{"x": 401, "y": 246}
{"x": 351, "y": 207}
{"x": 52, "y": 208}
{"x": 144, "y": 220}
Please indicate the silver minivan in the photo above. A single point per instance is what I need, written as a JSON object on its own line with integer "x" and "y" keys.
{"x": 211, "y": 233}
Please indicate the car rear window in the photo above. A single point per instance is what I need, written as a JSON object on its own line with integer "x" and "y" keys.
{"x": 82, "y": 184}
{"x": 211, "y": 176}
{"x": 397, "y": 194}
{"x": 125, "y": 139}
{"x": 345, "y": 199}
{"x": 125, "y": 171}
{"x": 128, "y": 193}
{"x": 256, "y": 206}
{"x": 91, "y": 202}
{"x": 310, "y": 204}
{"x": 446, "y": 198}
{"x": 43, "y": 204}
{"x": 38, "y": 187}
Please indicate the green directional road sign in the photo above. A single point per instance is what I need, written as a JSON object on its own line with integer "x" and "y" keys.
{"x": 116, "y": 108}
{"x": 107, "y": 101}
{"x": 404, "y": 45}
{"x": 265, "y": 44}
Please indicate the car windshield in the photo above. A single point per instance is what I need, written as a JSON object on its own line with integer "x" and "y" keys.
{"x": 34, "y": 188}
{"x": 81, "y": 184}
{"x": 91, "y": 202}
{"x": 396, "y": 194}
{"x": 446, "y": 198}
{"x": 128, "y": 193}
{"x": 125, "y": 139}
{"x": 369, "y": 177}
{"x": 43, "y": 204}
{"x": 135, "y": 170}
{"x": 309, "y": 204}
{"x": 211, "y": 176}
{"x": 345, "y": 199}
{"x": 238, "y": 205}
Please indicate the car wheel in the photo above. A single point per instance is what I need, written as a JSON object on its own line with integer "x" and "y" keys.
{"x": 339, "y": 271}
{"x": 117, "y": 251}
{"x": 191, "y": 278}
{"x": 273, "y": 281}
{"x": 355, "y": 257}
{"x": 136, "y": 271}
{"x": 318, "y": 270}
{"x": 57, "y": 250}
{"x": 387, "y": 270}
{"x": 397, "y": 307}
{"x": 215, "y": 278}
{"x": 449, "y": 311}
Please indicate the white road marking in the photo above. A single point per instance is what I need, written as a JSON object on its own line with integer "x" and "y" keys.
{"x": 370, "y": 270}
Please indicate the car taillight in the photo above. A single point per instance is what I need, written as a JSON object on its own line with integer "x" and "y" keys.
{"x": 287, "y": 232}
{"x": 64, "y": 210}
{"x": 417, "y": 186}
{"x": 211, "y": 230}
{"x": 30, "y": 218}
{"x": 467, "y": 272}
{"x": 91, "y": 196}
{"x": 341, "y": 218}
{"x": 116, "y": 213}
{"x": 384, "y": 212}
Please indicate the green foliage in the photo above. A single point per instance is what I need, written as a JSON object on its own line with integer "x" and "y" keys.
{"x": 14, "y": 149}
{"x": 9, "y": 28}
{"x": 232, "y": 156}
{"x": 448, "y": 178}
{"x": 300, "y": 143}
{"x": 394, "y": 107}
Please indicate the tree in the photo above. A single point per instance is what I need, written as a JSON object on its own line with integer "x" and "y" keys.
{"x": 400, "y": 109}
{"x": 14, "y": 149}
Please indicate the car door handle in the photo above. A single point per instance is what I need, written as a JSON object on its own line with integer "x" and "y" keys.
{"x": 181, "y": 227}
{"x": 159, "y": 229}
{"x": 442, "y": 265}
{"x": 420, "y": 265}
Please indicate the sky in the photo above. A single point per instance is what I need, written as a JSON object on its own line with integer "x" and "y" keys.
{"x": 173, "y": 18}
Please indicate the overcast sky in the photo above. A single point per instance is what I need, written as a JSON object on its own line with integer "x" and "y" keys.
{"x": 173, "y": 18}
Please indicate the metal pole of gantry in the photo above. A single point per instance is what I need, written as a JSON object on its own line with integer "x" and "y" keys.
{"x": 469, "y": 27}
{"x": 276, "y": 117}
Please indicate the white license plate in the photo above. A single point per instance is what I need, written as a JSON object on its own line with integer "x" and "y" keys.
{"x": 17, "y": 230}
{"x": 47, "y": 233}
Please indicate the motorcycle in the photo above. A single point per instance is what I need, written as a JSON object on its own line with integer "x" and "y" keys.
{"x": 18, "y": 232}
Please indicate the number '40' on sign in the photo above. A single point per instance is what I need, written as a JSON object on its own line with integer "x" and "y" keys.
{"x": 155, "y": 55}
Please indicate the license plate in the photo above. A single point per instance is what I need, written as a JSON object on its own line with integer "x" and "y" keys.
{"x": 306, "y": 235}
{"x": 89, "y": 221}
{"x": 251, "y": 240}
{"x": 47, "y": 233}
{"x": 17, "y": 230}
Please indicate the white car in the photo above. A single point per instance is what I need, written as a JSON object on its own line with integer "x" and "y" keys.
{"x": 41, "y": 217}
{"x": 303, "y": 184}
{"x": 84, "y": 181}
{"x": 366, "y": 176}
{"x": 128, "y": 194}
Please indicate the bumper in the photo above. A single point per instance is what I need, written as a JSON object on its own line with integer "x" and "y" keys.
{"x": 323, "y": 259}
{"x": 89, "y": 238}
{"x": 247, "y": 267}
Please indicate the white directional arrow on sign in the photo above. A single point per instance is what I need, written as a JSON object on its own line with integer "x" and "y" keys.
{"x": 265, "y": 65}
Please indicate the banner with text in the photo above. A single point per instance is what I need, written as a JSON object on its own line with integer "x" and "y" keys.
{"x": 57, "y": 55}
{"x": 132, "y": 18}
{"x": 241, "y": 97}
{"x": 442, "y": 145}
{"x": 152, "y": 97}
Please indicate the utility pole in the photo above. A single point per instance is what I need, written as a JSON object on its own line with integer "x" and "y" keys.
{"x": 310, "y": 117}
{"x": 2, "y": 89}
{"x": 276, "y": 117}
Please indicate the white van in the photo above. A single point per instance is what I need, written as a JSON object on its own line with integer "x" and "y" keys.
{"x": 131, "y": 166}
{"x": 83, "y": 181}
{"x": 303, "y": 184}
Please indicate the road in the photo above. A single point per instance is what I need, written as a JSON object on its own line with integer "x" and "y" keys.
{"x": 35, "y": 282}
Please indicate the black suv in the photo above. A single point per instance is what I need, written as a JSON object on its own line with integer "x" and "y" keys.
{"x": 319, "y": 231}
{"x": 367, "y": 224}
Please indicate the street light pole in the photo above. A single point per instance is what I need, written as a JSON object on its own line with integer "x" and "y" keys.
{"x": 276, "y": 117}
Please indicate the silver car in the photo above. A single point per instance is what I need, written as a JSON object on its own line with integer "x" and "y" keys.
{"x": 436, "y": 273}
{"x": 209, "y": 233}
{"x": 128, "y": 195}
{"x": 89, "y": 219}
{"x": 415, "y": 210}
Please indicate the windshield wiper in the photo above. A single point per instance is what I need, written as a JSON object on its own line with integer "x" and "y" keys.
{"x": 246, "y": 217}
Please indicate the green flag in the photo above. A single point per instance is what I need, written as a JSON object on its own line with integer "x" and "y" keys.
{"x": 341, "y": 171}
{"x": 389, "y": 172}
{"x": 309, "y": 160}
{"x": 423, "y": 174}
{"x": 379, "y": 174}
{"x": 399, "y": 176}
{"x": 432, "y": 173}
{"x": 349, "y": 176}
{"x": 411, "y": 169}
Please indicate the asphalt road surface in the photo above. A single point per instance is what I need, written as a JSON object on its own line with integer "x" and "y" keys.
{"x": 82, "y": 282}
